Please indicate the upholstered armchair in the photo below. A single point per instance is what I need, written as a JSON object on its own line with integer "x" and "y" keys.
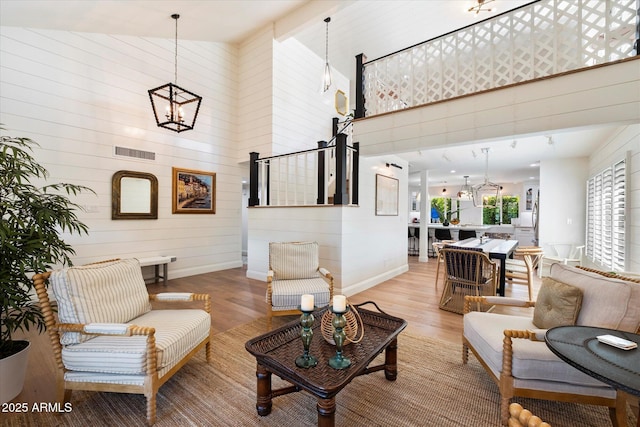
{"x": 294, "y": 270}
{"x": 512, "y": 350}
{"x": 106, "y": 337}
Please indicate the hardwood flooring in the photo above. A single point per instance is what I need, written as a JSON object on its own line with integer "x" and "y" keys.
{"x": 237, "y": 300}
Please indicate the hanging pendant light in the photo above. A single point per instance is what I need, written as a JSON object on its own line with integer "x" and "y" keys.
{"x": 326, "y": 78}
{"x": 483, "y": 192}
{"x": 466, "y": 192}
{"x": 175, "y": 108}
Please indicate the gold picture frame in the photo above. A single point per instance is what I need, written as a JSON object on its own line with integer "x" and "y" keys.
{"x": 193, "y": 191}
{"x": 134, "y": 195}
{"x": 341, "y": 102}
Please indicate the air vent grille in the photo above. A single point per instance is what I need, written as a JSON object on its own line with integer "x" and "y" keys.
{"x": 138, "y": 154}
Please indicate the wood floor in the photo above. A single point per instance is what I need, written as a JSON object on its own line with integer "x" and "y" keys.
{"x": 237, "y": 300}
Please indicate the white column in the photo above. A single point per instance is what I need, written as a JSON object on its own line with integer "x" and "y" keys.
{"x": 425, "y": 216}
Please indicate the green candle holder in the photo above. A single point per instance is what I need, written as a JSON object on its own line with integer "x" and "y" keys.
{"x": 339, "y": 361}
{"x": 305, "y": 360}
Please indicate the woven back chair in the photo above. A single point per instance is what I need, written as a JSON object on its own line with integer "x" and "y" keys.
{"x": 468, "y": 271}
{"x": 294, "y": 270}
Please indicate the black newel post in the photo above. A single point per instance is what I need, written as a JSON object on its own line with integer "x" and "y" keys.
{"x": 334, "y": 126}
{"x": 355, "y": 170}
{"x": 341, "y": 197}
{"x": 253, "y": 179}
{"x": 321, "y": 177}
{"x": 359, "y": 113}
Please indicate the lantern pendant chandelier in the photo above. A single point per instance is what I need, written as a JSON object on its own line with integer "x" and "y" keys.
{"x": 326, "y": 78}
{"x": 482, "y": 192}
{"x": 466, "y": 192}
{"x": 175, "y": 108}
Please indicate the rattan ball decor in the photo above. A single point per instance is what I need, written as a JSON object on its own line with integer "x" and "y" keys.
{"x": 354, "y": 324}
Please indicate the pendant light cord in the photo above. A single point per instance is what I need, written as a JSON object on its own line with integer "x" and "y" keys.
{"x": 326, "y": 47}
{"x": 176, "y": 16}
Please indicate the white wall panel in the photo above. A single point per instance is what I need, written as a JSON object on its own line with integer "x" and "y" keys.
{"x": 79, "y": 95}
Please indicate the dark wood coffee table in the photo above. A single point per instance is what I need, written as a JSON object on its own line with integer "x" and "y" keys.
{"x": 276, "y": 352}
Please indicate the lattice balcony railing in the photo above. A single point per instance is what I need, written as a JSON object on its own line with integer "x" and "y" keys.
{"x": 536, "y": 40}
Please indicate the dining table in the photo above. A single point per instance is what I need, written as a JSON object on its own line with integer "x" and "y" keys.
{"x": 498, "y": 249}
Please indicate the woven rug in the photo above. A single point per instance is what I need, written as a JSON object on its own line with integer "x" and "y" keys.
{"x": 433, "y": 388}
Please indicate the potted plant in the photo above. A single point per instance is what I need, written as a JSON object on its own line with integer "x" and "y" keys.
{"x": 34, "y": 216}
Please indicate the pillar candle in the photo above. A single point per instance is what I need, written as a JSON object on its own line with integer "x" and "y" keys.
{"x": 339, "y": 303}
{"x": 306, "y": 302}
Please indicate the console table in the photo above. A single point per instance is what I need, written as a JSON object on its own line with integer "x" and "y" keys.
{"x": 158, "y": 261}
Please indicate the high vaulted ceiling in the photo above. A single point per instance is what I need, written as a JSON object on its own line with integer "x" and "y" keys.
{"x": 372, "y": 27}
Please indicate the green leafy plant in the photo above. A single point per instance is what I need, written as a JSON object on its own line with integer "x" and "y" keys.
{"x": 33, "y": 220}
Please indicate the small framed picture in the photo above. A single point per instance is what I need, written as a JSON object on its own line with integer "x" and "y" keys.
{"x": 387, "y": 193}
{"x": 194, "y": 192}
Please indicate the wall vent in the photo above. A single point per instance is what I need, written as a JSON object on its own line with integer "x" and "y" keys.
{"x": 138, "y": 154}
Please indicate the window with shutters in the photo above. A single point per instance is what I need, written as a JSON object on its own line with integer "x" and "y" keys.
{"x": 606, "y": 206}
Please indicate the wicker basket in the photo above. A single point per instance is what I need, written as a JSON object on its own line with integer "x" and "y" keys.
{"x": 354, "y": 323}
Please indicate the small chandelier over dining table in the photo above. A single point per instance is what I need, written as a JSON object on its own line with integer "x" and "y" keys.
{"x": 175, "y": 108}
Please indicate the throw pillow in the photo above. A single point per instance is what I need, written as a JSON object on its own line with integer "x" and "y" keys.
{"x": 558, "y": 304}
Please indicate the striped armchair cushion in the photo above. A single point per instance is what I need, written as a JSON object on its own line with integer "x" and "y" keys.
{"x": 286, "y": 293}
{"x": 294, "y": 260}
{"x": 110, "y": 292}
{"x": 177, "y": 333}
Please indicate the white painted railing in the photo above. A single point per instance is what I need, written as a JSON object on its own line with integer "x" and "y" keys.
{"x": 536, "y": 40}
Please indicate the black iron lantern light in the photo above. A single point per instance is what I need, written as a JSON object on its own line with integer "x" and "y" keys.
{"x": 175, "y": 108}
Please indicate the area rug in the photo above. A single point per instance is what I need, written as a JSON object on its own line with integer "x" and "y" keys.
{"x": 433, "y": 388}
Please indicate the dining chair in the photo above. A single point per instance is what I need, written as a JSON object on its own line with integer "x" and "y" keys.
{"x": 466, "y": 234}
{"x": 468, "y": 271}
{"x": 442, "y": 234}
{"x": 521, "y": 268}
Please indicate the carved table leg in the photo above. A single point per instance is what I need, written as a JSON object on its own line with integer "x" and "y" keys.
{"x": 391, "y": 361}
{"x": 263, "y": 404}
{"x": 326, "y": 412}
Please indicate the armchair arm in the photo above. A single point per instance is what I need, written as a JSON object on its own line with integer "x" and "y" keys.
{"x": 173, "y": 296}
{"x": 491, "y": 300}
{"x": 270, "y": 275}
{"x": 325, "y": 272}
{"x": 119, "y": 329}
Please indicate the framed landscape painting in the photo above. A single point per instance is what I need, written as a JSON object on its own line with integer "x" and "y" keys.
{"x": 193, "y": 192}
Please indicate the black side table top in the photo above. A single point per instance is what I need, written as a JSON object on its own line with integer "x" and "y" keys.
{"x": 579, "y": 347}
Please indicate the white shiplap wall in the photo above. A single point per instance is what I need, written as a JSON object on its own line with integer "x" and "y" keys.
{"x": 81, "y": 94}
{"x": 358, "y": 247}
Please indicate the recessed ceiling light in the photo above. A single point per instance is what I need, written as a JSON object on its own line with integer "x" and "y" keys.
{"x": 453, "y": 171}
{"x": 535, "y": 165}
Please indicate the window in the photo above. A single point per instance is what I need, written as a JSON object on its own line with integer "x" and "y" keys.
{"x": 606, "y": 205}
{"x": 438, "y": 208}
{"x": 510, "y": 209}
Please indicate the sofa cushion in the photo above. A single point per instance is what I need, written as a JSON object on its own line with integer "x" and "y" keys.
{"x": 285, "y": 294}
{"x": 177, "y": 333}
{"x": 532, "y": 360}
{"x": 558, "y": 304}
{"x": 294, "y": 260}
{"x": 109, "y": 292}
{"x": 606, "y": 302}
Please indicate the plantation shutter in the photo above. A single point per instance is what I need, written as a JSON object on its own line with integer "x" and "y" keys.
{"x": 606, "y": 206}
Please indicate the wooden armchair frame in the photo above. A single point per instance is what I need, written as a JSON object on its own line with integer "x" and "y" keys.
{"x": 152, "y": 380}
{"x": 505, "y": 382}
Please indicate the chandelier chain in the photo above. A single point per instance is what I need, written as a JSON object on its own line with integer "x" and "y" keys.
{"x": 176, "y": 16}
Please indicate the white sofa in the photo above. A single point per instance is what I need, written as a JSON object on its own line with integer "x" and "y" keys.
{"x": 513, "y": 352}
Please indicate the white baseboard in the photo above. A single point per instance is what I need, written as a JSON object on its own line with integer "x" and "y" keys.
{"x": 373, "y": 281}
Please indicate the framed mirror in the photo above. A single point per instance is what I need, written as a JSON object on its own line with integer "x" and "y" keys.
{"x": 134, "y": 195}
{"x": 341, "y": 103}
